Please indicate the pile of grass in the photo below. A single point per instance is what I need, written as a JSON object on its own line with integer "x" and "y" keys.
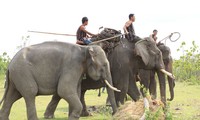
{"x": 134, "y": 110}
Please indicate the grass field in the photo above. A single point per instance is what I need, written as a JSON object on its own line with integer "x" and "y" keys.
{"x": 185, "y": 106}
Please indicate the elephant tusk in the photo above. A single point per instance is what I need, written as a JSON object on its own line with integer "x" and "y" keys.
{"x": 167, "y": 73}
{"x": 146, "y": 108}
{"x": 111, "y": 87}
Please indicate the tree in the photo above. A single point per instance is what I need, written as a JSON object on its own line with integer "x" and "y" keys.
{"x": 4, "y": 61}
{"x": 24, "y": 42}
{"x": 187, "y": 68}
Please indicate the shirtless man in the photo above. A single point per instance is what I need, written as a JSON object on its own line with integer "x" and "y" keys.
{"x": 129, "y": 29}
{"x": 153, "y": 36}
{"x": 83, "y": 36}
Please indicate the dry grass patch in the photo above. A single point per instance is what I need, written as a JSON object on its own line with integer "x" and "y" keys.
{"x": 134, "y": 110}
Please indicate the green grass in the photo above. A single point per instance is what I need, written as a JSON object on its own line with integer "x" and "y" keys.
{"x": 185, "y": 106}
{"x": 18, "y": 111}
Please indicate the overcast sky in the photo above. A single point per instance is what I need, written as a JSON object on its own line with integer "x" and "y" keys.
{"x": 64, "y": 16}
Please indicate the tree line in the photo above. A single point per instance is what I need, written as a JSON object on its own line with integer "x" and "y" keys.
{"x": 187, "y": 67}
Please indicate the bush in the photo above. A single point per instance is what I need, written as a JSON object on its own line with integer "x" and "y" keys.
{"x": 187, "y": 68}
{"x": 4, "y": 61}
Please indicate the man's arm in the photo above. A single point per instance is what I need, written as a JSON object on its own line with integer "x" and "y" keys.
{"x": 83, "y": 29}
{"x": 127, "y": 24}
{"x": 155, "y": 39}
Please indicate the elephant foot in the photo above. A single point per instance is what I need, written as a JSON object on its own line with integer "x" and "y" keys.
{"x": 2, "y": 118}
{"x": 85, "y": 113}
{"x": 49, "y": 116}
{"x": 108, "y": 103}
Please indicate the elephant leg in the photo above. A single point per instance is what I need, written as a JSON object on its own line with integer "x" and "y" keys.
{"x": 99, "y": 95}
{"x": 123, "y": 86}
{"x": 153, "y": 85}
{"x": 29, "y": 93}
{"x": 161, "y": 77}
{"x": 123, "y": 92}
{"x": 117, "y": 95}
{"x": 49, "y": 113}
{"x": 108, "y": 101}
{"x": 84, "y": 111}
{"x": 79, "y": 96}
{"x": 133, "y": 91}
{"x": 120, "y": 77}
{"x": 68, "y": 89}
{"x": 122, "y": 96}
{"x": 31, "y": 109}
{"x": 145, "y": 80}
{"x": 75, "y": 106}
{"x": 11, "y": 96}
{"x": 70, "y": 110}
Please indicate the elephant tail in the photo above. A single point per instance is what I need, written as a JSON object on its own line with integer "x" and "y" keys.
{"x": 6, "y": 86}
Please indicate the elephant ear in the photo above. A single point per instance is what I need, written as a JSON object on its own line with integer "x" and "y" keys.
{"x": 142, "y": 51}
{"x": 92, "y": 53}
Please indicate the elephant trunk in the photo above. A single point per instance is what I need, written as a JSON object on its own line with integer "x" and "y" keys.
{"x": 171, "y": 88}
{"x": 171, "y": 81}
{"x": 111, "y": 95}
{"x": 162, "y": 82}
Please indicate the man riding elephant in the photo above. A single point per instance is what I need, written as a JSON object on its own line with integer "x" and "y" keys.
{"x": 154, "y": 35}
{"x": 129, "y": 29}
{"x": 82, "y": 34}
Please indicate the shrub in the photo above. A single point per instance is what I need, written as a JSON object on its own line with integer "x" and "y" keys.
{"x": 187, "y": 68}
{"x": 4, "y": 61}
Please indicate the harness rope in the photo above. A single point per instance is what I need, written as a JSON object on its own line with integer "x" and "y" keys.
{"x": 106, "y": 39}
{"x": 170, "y": 37}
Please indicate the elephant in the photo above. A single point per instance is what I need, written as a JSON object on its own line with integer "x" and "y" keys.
{"x": 54, "y": 68}
{"x": 125, "y": 59}
{"x": 147, "y": 77}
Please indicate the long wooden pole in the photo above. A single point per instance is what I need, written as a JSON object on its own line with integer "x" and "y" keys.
{"x": 51, "y": 33}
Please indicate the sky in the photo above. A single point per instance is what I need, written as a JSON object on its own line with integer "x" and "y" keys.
{"x": 64, "y": 16}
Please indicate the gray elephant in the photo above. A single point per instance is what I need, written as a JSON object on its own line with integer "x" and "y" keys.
{"x": 54, "y": 68}
{"x": 127, "y": 58}
{"x": 147, "y": 77}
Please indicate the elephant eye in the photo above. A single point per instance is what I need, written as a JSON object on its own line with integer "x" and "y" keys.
{"x": 154, "y": 53}
{"x": 105, "y": 65}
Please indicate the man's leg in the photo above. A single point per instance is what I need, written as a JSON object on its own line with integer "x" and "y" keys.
{"x": 87, "y": 41}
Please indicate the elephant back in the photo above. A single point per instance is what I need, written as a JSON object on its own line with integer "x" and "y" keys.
{"x": 108, "y": 32}
{"x": 109, "y": 44}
